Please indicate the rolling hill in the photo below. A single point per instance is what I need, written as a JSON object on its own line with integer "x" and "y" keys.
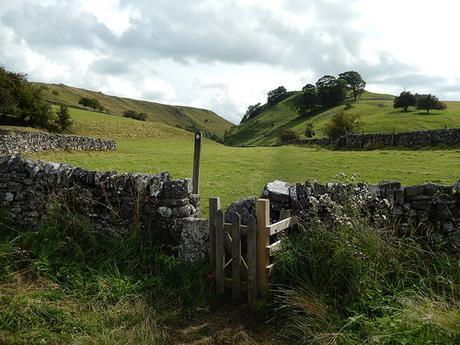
{"x": 177, "y": 116}
{"x": 376, "y": 112}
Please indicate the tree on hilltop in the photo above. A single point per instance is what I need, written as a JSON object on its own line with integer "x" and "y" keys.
{"x": 277, "y": 95}
{"x": 306, "y": 100}
{"x": 405, "y": 100}
{"x": 331, "y": 91}
{"x": 253, "y": 111}
{"x": 354, "y": 82}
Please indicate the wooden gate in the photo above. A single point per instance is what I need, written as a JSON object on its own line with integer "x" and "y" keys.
{"x": 240, "y": 255}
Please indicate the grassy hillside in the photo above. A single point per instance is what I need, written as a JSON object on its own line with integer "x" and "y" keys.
{"x": 232, "y": 172}
{"x": 76, "y": 290}
{"x": 178, "y": 116}
{"x": 376, "y": 111}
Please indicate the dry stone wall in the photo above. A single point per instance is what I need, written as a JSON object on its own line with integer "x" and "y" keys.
{"x": 435, "y": 137}
{"x": 428, "y": 209}
{"x": 112, "y": 202}
{"x": 15, "y": 142}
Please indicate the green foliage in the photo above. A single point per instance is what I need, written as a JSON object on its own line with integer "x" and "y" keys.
{"x": 309, "y": 131}
{"x": 331, "y": 91}
{"x": 68, "y": 283}
{"x": 277, "y": 95}
{"x": 63, "y": 119}
{"x": 22, "y": 101}
{"x": 288, "y": 136}
{"x": 355, "y": 283}
{"x": 348, "y": 106}
{"x": 342, "y": 123}
{"x": 354, "y": 82}
{"x": 90, "y": 103}
{"x": 405, "y": 100}
{"x": 253, "y": 111}
{"x": 135, "y": 115}
{"x": 307, "y": 100}
{"x": 428, "y": 102}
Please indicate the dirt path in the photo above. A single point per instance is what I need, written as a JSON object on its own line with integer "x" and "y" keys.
{"x": 227, "y": 325}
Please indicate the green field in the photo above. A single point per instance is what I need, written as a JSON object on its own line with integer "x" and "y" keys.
{"x": 376, "y": 111}
{"x": 71, "y": 289}
{"x": 176, "y": 116}
{"x": 235, "y": 172}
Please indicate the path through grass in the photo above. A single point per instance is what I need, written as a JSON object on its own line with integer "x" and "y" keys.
{"x": 232, "y": 173}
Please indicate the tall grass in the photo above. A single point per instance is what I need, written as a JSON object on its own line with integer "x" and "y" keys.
{"x": 358, "y": 283}
{"x": 66, "y": 283}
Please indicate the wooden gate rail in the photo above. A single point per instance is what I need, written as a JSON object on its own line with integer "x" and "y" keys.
{"x": 254, "y": 264}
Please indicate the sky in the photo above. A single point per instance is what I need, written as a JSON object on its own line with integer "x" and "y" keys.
{"x": 225, "y": 55}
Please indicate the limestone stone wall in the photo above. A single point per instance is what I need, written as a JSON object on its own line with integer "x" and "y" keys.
{"x": 428, "y": 209}
{"x": 435, "y": 137}
{"x": 15, "y": 142}
{"x": 113, "y": 202}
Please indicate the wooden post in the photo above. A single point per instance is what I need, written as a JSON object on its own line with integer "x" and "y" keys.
{"x": 220, "y": 252}
{"x": 214, "y": 206}
{"x": 196, "y": 164}
{"x": 263, "y": 240}
{"x": 236, "y": 258}
{"x": 252, "y": 260}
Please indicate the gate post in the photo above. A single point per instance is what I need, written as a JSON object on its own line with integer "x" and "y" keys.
{"x": 196, "y": 164}
{"x": 214, "y": 206}
{"x": 263, "y": 240}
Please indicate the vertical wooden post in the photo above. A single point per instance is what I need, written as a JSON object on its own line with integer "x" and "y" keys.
{"x": 196, "y": 164}
{"x": 214, "y": 206}
{"x": 220, "y": 252}
{"x": 252, "y": 260}
{"x": 236, "y": 258}
{"x": 263, "y": 240}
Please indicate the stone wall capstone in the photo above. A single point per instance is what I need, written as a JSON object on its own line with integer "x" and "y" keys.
{"x": 15, "y": 142}
{"x": 430, "y": 207}
{"x": 112, "y": 202}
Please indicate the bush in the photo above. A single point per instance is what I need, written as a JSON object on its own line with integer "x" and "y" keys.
{"x": 22, "y": 101}
{"x": 63, "y": 120}
{"x": 135, "y": 115}
{"x": 288, "y": 135}
{"x": 428, "y": 102}
{"x": 309, "y": 131}
{"x": 341, "y": 124}
{"x": 90, "y": 103}
{"x": 355, "y": 283}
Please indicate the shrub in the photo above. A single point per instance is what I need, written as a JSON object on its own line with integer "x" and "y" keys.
{"x": 55, "y": 92}
{"x": 428, "y": 102}
{"x": 90, "y": 103}
{"x": 135, "y": 115}
{"x": 63, "y": 120}
{"x": 22, "y": 101}
{"x": 351, "y": 282}
{"x": 288, "y": 135}
{"x": 309, "y": 131}
{"x": 341, "y": 124}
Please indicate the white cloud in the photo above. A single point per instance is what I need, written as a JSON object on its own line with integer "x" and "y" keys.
{"x": 225, "y": 55}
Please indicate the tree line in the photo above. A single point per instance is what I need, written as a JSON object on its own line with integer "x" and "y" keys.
{"x": 421, "y": 102}
{"x": 326, "y": 92}
{"x": 22, "y": 103}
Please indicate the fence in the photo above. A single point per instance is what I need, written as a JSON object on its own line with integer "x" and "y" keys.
{"x": 240, "y": 255}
